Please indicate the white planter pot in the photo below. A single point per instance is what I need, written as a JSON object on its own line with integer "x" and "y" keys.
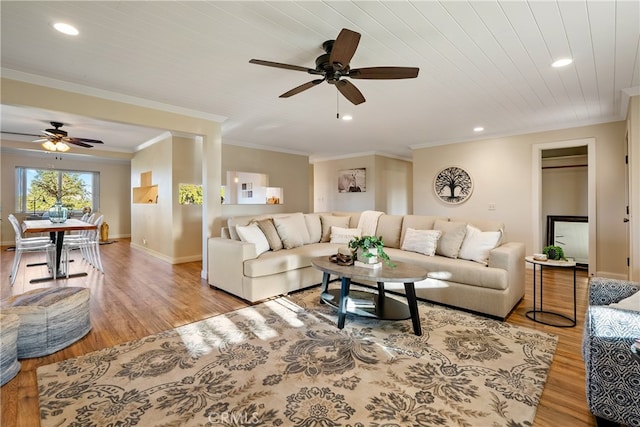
{"x": 368, "y": 260}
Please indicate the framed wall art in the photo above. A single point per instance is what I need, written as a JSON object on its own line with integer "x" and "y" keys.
{"x": 352, "y": 180}
{"x": 453, "y": 185}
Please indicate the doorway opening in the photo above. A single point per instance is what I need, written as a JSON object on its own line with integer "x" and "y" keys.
{"x": 555, "y": 160}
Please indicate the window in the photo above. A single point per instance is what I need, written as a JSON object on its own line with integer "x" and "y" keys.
{"x": 38, "y": 189}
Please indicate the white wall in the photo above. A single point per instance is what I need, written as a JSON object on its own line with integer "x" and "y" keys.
{"x": 388, "y": 185}
{"x": 285, "y": 170}
{"x": 501, "y": 170}
{"x": 114, "y": 187}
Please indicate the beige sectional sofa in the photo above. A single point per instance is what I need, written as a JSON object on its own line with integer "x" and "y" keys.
{"x": 251, "y": 269}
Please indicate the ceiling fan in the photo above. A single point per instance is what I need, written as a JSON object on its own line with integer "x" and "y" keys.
{"x": 334, "y": 65}
{"x": 56, "y": 139}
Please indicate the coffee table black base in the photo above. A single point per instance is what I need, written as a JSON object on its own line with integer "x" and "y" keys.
{"x": 551, "y": 318}
{"x": 368, "y": 304}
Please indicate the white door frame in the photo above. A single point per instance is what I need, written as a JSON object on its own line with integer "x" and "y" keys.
{"x": 536, "y": 220}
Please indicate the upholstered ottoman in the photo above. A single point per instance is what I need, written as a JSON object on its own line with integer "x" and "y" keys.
{"x": 9, "y": 365}
{"x": 50, "y": 319}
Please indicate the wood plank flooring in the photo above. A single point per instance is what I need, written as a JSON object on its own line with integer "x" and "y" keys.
{"x": 140, "y": 295}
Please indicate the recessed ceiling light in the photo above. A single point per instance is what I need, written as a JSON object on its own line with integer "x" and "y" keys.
{"x": 347, "y": 117}
{"x": 67, "y": 29}
{"x": 478, "y": 129}
{"x": 563, "y": 62}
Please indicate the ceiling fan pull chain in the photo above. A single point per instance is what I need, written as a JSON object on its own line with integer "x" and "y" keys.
{"x": 337, "y": 104}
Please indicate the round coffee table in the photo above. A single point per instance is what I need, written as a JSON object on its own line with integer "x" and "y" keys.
{"x": 371, "y": 305}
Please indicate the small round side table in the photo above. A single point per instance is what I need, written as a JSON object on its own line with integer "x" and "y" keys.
{"x": 541, "y": 315}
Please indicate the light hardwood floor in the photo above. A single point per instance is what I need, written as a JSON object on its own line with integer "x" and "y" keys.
{"x": 140, "y": 295}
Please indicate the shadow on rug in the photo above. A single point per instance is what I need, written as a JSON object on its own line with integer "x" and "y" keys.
{"x": 284, "y": 363}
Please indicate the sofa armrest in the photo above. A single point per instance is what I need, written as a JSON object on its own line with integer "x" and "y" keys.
{"x": 226, "y": 259}
{"x": 508, "y": 256}
{"x": 603, "y": 291}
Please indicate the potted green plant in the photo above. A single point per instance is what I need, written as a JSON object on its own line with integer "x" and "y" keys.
{"x": 369, "y": 248}
{"x": 554, "y": 252}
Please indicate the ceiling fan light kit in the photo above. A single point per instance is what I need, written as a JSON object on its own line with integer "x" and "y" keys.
{"x": 55, "y": 146}
{"x": 333, "y": 66}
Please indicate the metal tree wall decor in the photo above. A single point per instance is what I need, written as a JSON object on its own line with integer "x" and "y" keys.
{"x": 453, "y": 185}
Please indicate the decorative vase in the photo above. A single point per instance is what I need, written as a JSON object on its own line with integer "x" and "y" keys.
{"x": 551, "y": 254}
{"x": 58, "y": 213}
{"x": 371, "y": 259}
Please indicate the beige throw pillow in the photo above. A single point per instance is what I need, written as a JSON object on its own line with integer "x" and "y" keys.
{"x": 477, "y": 244}
{"x": 288, "y": 228}
{"x": 344, "y": 235}
{"x": 329, "y": 221}
{"x": 270, "y": 232}
{"x": 452, "y": 237}
{"x": 252, "y": 234}
{"x": 421, "y": 241}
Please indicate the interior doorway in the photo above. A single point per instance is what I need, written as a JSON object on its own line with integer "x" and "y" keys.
{"x": 539, "y": 216}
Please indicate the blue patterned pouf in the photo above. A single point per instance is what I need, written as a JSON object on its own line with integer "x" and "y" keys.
{"x": 50, "y": 319}
{"x": 9, "y": 365}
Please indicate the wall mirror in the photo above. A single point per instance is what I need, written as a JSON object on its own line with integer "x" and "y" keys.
{"x": 248, "y": 188}
{"x": 571, "y": 233}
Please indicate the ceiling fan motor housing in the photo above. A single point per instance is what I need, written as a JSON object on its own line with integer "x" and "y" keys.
{"x": 61, "y": 133}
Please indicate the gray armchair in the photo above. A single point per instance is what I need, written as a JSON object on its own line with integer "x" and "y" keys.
{"x": 612, "y": 371}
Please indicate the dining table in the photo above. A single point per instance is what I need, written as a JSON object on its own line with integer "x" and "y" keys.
{"x": 57, "y": 231}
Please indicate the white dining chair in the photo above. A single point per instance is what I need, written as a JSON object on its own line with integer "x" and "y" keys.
{"x": 88, "y": 245}
{"x": 33, "y": 245}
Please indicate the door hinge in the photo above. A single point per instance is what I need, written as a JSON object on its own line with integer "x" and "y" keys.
{"x": 628, "y": 262}
{"x": 626, "y": 159}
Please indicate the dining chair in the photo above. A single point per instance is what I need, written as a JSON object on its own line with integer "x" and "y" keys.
{"x": 33, "y": 245}
{"x": 88, "y": 245}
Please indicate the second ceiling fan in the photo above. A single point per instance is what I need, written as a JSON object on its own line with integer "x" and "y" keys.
{"x": 334, "y": 65}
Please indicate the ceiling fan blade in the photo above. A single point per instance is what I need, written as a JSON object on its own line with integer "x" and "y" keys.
{"x": 344, "y": 48}
{"x": 350, "y": 91}
{"x": 285, "y": 66}
{"x": 18, "y": 133}
{"x": 40, "y": 140}
{"x": 384, "y": 73}
{"x": 74, "y": 140}
{"x": 297, "y": 90}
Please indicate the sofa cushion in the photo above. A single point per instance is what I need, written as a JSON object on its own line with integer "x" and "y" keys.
{"x": 453, "y": 270}
{"x": 252, "y": 234}
{"x": 477, "y": 244}
{"x": 332, "y": 220}
{"x": 269, "y": 229}
{"x": 452, "y": 237}
{"x": 421, "y": 241}
{"x": 282, "y": 261}
{"x": 344, "y": 235}
{"x": 291, "y": 230}
{"x": 314, "y": 227}
{"x": 418, "y": 222}
{"x": 390, "y": 229}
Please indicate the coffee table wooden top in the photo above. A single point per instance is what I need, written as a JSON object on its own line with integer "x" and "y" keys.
{"x": 402, "y": 272}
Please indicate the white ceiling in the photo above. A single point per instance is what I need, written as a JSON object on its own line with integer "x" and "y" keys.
{"x": 482, "y": 63}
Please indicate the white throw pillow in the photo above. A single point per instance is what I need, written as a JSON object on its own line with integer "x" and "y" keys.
{"x": 289, "y": 231}
{"x": 629, "y": 303}
{"x": 252, "y": 234}
{"x": 451, "y": 239}
{"x": 421, "y": 241}
{"x": 477, "y": 244}
{"x": 344, "y": 235}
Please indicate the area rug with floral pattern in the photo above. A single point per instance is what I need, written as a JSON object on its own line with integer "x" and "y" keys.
{"x": 285, "y": 363}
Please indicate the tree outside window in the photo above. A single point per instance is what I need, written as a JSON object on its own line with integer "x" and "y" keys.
{"x": 41, "y": 188}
